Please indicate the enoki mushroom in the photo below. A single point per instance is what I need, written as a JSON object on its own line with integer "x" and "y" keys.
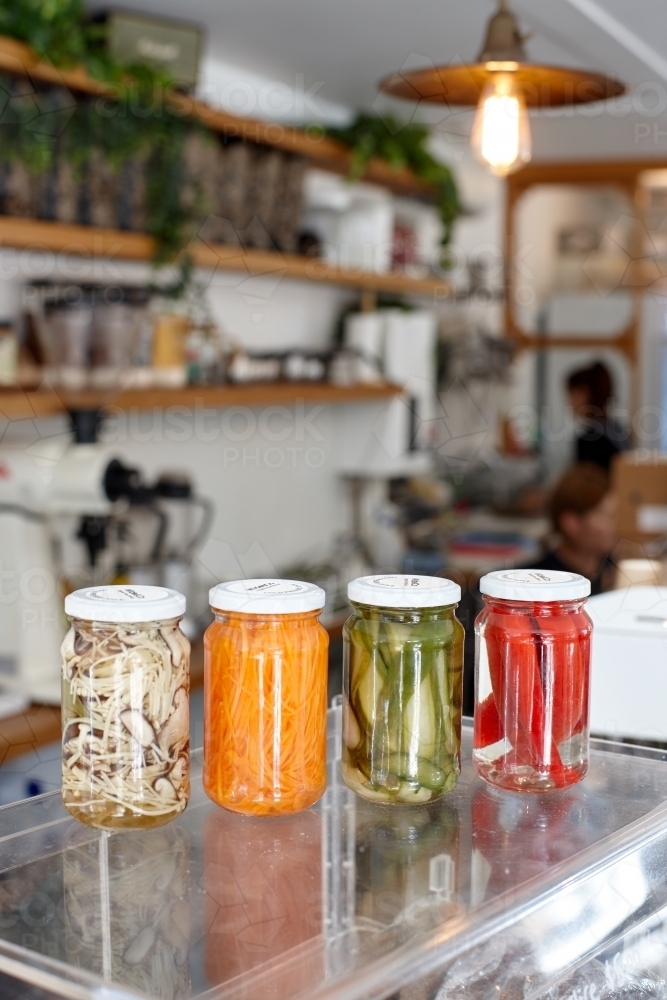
{"x": 126, "y": 719}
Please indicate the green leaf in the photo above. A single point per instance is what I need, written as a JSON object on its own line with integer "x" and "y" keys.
{"x": 135, "y": 122}
{"x": 401, "y": 145}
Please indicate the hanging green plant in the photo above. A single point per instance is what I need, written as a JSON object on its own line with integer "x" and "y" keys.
{"x": 401, "y": 145}
{"x": 135, "y": 122}
{"x": 55, "y": 29}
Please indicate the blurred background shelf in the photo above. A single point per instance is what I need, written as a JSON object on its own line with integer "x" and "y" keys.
{"x": 19, "y": 59}
{"x": 35, "y": 234}
{"x": 23, "y": 403}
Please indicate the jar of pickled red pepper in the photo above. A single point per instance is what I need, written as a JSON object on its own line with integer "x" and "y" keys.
{"x": 265, "y": 697}
{"x": 402, "y": 688}
{"x": 532, "y": 669}
{"x": 125, "y": 707}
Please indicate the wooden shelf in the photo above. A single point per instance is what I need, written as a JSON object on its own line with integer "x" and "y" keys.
{"x": 271, "y": 263}
{"x": 117, "y": 244}
{"x": 19, "y": 59}
{"x": 16, "y": 404}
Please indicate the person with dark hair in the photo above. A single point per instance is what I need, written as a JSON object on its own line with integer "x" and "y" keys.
{"x": 590, "y": 391}
{"x": 583, "y": 514}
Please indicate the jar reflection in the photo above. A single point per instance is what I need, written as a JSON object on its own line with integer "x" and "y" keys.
{"x": 515, "y": 838}
{"x": 127, "y": 914}
{"x": 263, "y": 883}
{"x": 407, "y": 865}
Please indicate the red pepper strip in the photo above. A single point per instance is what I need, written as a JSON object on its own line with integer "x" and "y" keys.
{"x": 515, "y": 681}
{"x": 562, "y": 674}
{"x": 488, "y": 727}
{"x": 583, "y": 625}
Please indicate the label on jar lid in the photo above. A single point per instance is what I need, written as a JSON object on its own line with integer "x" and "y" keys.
{"x": 535, "y": 585}
{"x": 127, "y": 594}
{"x": 404, "y": 590}
{"x": 125, "y": 604}
{"x": 267, "y": 597}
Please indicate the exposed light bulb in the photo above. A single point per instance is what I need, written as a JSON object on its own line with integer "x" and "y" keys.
{"x": 500, "y": 136}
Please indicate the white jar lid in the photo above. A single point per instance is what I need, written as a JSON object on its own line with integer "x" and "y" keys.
{"x": 127, "y": 603}
{"x": 535, "y": 585}
{"x": 404, "y": 591}
{"x": 267, "y": 597}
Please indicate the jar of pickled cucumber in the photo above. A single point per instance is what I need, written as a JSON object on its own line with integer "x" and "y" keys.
{"x": 402, "y": 688}
{"x": 125, "y": 707}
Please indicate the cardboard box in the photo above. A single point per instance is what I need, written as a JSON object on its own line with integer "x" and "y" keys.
{"x": 639, "y": 480}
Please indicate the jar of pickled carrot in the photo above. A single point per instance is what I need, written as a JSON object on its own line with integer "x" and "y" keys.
{"x": 265, "y": 697}
{"x": 532, "y": 670}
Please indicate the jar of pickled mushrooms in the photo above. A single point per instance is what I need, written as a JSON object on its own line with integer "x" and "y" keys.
{"x": 125, "y": 707}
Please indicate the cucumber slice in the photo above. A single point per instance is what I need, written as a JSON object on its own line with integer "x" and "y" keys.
{"x": 384, "y": 779}
{"x": 368, "y": 692}
{"x": 451, "y": 780}
{"x": 434, "y": 635}
{"x": 409, "y": 793}
{"x": 353, "y": 780}
{"x": 419, "y": 727}
{"x": 399, "y": 764}
{"x": 430, "y": 775}
{"x": 351, "y": 730}
{"x": 421, "y": 772}
{"x": 397, "y": 636}
{"x": 358, "y": 663}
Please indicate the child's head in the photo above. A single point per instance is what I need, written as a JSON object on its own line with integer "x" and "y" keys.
{"x": 583, "y": 510}
{"x": 590, "y": 389}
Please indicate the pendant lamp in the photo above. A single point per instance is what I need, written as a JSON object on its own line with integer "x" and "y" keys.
{"x": 503, "y": 85}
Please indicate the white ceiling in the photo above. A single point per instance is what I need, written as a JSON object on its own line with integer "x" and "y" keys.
{"x": 341, "y": 48}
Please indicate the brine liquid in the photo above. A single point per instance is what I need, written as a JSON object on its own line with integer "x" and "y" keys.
{"x": 111, "y": 816}
{"x": 496, "y": 765}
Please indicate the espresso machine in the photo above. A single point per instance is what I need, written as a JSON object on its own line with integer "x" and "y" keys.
{"x": 71, "y": 515}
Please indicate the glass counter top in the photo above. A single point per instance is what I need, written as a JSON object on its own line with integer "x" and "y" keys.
{"x": 345, "y": 901}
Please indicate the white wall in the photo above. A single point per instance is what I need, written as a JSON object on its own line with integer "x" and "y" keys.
{"x": 272, "y": 473}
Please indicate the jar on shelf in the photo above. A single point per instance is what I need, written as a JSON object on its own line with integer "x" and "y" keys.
{"x": 402, "y": 688}
{"x": 532, "y": 672}
{"x": 125, "y": 707}
{"x": 265, "y": 697}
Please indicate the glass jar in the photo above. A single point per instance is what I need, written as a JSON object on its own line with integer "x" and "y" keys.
{"x": 265, "y": 697}
{"x": 402, "y": 688}
{"x": 125, "y": 707}
{"x": 532, "y": 680}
